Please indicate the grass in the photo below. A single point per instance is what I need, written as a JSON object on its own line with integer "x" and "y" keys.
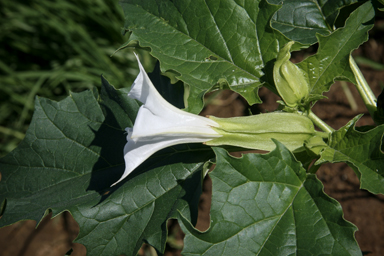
{"x": 49, "y": 48}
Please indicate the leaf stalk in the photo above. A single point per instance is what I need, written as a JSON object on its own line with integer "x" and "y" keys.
{"x": 363, "y": 88}
{"x": 320, "y": 123}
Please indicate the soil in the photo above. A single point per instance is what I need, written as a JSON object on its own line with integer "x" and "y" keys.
{"x": 365, "y": 210}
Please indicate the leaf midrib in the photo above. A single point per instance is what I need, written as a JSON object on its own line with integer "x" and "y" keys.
{"x": 203, "y": 46}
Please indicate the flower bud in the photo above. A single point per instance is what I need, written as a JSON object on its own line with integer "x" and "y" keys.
{"x": 256, "y": 132}
{"x": 289, "y": 79}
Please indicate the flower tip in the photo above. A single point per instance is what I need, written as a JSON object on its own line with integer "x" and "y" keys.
{"x": 123, "y": 177}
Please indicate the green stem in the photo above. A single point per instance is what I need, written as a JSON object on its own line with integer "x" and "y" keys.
{"x": 348, "y": 94}
{"x": 319, "y": 123}
{"x": 362, "y": 86}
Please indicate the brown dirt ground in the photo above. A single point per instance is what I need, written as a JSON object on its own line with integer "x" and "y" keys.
{"x": 366, "y": 211}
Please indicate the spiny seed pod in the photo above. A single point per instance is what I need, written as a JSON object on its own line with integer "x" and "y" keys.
{"x": 256, "y": 132}
{"x": 289, "y": 79}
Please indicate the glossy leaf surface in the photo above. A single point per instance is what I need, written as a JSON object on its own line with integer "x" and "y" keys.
{"x": 301, "y": 20}
{"x": 209, "y": 44}
{"x": 268, "y": 205}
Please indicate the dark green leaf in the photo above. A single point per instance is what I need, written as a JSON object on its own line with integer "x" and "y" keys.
{"x": 138, "y": 211}
{"x": 53, "y": 164}
{"x": 362, "y": 152}
{"x": 332, "y": 59}
{"x": 301, "y": 20}
{"x": 268, "y": 205}
{"x": 210, "y": 44}
{"x": 73, "y": 152}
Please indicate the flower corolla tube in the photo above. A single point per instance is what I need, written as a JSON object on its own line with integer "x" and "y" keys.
{"x": 159, "y": 125}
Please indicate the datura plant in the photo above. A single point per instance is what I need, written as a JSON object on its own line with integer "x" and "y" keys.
{"x": 123, "y": 162}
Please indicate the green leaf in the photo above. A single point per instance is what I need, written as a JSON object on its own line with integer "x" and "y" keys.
{"x": 73, "y": 152}
{"x": 362, "y": 152}
{"x": 301, "y": 20}
{"x": 52, "y": 165}
{"x": 268, "y": 205}
{"x": 138, "y": 211}
{"x": 210, "y": 44}
{"x": 332, "y": 59}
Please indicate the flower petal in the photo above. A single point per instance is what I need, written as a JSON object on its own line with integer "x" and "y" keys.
{"x": 159, "y": 125}
{"x": 148, "y": 123}
{"x": 136, "y": 152}
{"x": 158, "y": 116}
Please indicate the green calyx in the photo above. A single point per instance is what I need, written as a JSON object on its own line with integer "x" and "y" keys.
{"x": 257, "y": 132}
{"x": 289, "y": 79}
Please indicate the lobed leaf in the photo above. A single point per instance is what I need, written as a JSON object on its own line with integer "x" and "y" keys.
{"x": 73, "y": 152}
{"x": 53, "y": 164}
{"x": 268, "y": 205}
{"x": 209, "y": 44}
{"x": 332, "y": 59}
{"x": 362, "y": 151}
{"x": 138, "y": 211}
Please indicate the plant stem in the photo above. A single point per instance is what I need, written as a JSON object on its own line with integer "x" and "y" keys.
{"x": 348, "y": 94}
{"x": 362, "y": 86}
{"x": 319, "y": 123}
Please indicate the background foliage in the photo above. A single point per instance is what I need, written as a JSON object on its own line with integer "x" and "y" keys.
{"x": 49, "y": 48}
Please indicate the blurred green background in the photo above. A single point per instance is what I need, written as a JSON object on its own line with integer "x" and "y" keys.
{"x": 48, "y": 48}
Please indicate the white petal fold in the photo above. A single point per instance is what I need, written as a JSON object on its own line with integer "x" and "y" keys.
{"x": 159, "y": 125}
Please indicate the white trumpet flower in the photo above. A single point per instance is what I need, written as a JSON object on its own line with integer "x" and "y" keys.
{"x": 159, "y": 125}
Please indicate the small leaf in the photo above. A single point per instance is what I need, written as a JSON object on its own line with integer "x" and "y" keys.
{"x": 332, "y": 59}
{"x": 268, "y": 205}
{"x": 361, "y": 151}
